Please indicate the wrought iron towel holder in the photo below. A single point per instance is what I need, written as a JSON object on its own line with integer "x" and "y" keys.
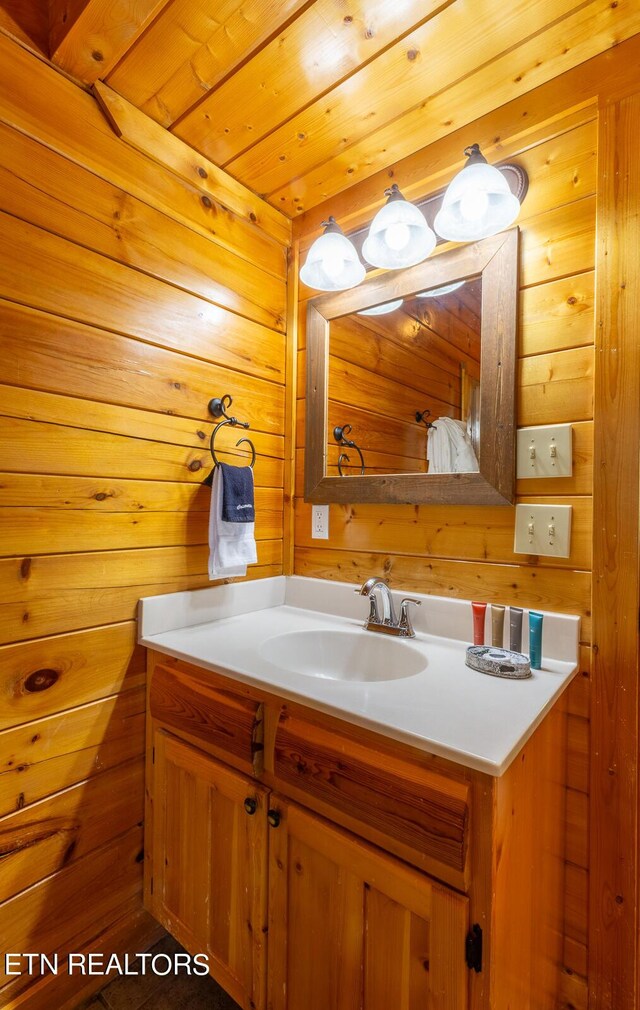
{"x": 218, "y": 408}
{"x": 421, "y": 418}
{"x": 339, "y": 433}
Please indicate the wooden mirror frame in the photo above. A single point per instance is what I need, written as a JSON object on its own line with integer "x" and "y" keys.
{"x": 495, "y": 259}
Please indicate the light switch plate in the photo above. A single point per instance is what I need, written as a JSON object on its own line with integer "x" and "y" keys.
{"x": 543, "y": 529}
{"x": 320, "y": 522}
{"x": 545, "y": 451}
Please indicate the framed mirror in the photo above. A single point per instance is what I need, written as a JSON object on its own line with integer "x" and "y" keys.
{"x": 410, "y": 394}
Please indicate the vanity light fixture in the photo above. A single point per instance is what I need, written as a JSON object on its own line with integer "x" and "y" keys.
{"x": 477, "y": 203}
{"x": 445, "y": 289}
{"x": 381, "y": 310}
{"x": 399, "y": 235}
{"x": 332, "y": 262}
{"x": 480, "y": 201}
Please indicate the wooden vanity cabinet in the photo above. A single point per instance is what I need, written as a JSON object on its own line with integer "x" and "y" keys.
{"x": 323, "y": 867}
{"x": 351, "y": 927}
{"x": 207, "y": 845}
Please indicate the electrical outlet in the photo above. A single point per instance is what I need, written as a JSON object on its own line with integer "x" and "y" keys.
{"x": 320, "y": 522}
{"x": 543, "y": 529}
{"x": 544, "y": 451}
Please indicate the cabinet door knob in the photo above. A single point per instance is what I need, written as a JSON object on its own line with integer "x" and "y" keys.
{"x": 273, "y": 816}
{"x": 250, "y": 805}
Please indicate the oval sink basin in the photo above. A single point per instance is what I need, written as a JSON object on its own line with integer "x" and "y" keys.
{"x": 344, "y": 655}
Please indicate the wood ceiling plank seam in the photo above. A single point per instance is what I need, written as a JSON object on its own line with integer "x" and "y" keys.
{"x": 386, "y": 146}
{"x": 545, "y": 59}
{"x": 189, "y": 23}
{"x": 247, "y": 60}
{"x": 90, "y": 44}
{"x": 199, "y": 57}
{"x": 23, "y": 43}
{"x": 344, "y": 116}
{"x": 209, "y": 81}
{"x": 277, "y": 196}
{"x": 210, "y": 118}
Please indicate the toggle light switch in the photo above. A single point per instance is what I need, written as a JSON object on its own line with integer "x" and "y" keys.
{"x": 543, "y": 529}
{"x": 545, "y": 451}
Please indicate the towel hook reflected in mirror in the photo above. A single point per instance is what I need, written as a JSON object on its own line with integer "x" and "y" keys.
{"x": 422, "y": 418}
{"x": 339, "y": 433}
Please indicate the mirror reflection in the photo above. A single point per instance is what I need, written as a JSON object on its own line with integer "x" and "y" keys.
{"x": 404, "y": 385}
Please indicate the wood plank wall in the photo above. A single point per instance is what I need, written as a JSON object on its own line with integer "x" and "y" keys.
{"x": 468, "y": 552}
{"x": 126, "y": 303}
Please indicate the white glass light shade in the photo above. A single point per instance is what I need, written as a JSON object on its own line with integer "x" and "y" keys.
{"x": 477, "y": 203}
{"x": 444, "y": 290}
{"x": 399, "y": 235}
{"x": 332, "y": 262}
{"x": 381, "y": 310}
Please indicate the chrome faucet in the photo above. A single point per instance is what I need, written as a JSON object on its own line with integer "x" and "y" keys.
{"x": 388, "y": 622}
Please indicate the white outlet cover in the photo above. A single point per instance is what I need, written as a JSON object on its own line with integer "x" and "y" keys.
{"x": 320, "y": 522}
{"x": 533, "y": 535}
{"x": 545, "y": 451}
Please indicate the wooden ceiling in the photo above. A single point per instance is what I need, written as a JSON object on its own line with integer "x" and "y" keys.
{"x": 298, "y": 100}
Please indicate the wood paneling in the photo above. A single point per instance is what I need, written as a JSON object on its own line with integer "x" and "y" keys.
{"x": 424, "y": 812}
{"x": 186, "y": 702}
{"x": 209, "y": 884}
{"x": 301, "y": 100}
{"x": 468, "y": 552}
{"x": 241, "y": 111}
{"x": 206, "y": 46}
{"x": 214, "y": 184}
{"x": 110, "y": 875}
{"x": 69, "y": 747}
{"x": 129, "y": 297}
{"x": 51, "y": 675}
{"x": 87, "y": 37}
{"x": 342, "y": 118}
{"x": 130, "y": 929}
{"x": 56, "y": 831}
{"x": 27, "y": 22}
{"x": 613, "y": 926}
{"x": 592, "y": 29}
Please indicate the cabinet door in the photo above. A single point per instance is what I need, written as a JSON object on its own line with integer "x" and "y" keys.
{"x": 351, "y": 928}
{"x": 209, "y": 864}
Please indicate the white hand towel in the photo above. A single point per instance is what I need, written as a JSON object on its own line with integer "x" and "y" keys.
{"x": 232, "y": 546}
{"x": 449, "y": 448}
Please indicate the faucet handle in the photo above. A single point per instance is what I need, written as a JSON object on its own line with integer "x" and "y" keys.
{"x": 405, "y": 620}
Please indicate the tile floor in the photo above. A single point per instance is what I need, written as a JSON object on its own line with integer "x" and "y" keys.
{"x": 172, "y": 992}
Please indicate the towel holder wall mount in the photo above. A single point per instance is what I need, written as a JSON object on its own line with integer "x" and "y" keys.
{"x": 218, "y": 407}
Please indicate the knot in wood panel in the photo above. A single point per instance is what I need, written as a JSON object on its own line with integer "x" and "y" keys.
{"x": 41, "y": 680}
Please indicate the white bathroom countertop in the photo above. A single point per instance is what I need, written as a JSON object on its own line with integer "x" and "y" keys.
{"x": 446, "y": 709}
